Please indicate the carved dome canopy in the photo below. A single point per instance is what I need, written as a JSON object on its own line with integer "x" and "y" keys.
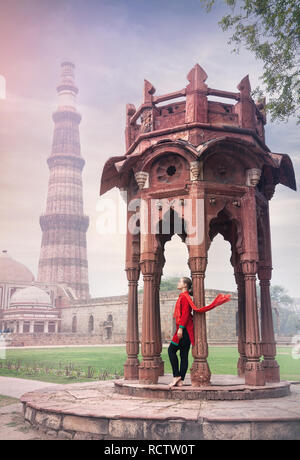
{"x": 11, "y": 270}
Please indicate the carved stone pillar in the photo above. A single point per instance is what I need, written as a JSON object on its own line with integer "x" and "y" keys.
{"x": 254, "y": 371}
{"x": 239, "y": 278}
{"x": 200, "y": 372}
{"x": 148, "y": 369}
{"x": 269, "y": 363}
{"x": 131, "y": 371}
{"x": 158, "y": 341}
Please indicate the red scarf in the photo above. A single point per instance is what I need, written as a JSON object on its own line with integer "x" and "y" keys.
{"x": 219, "y": 300}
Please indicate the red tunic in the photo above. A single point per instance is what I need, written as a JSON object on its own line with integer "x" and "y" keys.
{"x": 183, "y": 313}
{"x": 186, "y": 319}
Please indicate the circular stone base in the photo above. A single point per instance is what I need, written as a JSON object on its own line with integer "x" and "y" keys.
{"x": 223, "y": 387}
{"x": 94, "y": 410}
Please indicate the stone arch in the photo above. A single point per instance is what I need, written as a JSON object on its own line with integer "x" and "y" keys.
{"x": 229, "y": 226}
{"x": 244, "y": 151}
{"x": 169, "y": 224}
{"x": 181, "y": 148}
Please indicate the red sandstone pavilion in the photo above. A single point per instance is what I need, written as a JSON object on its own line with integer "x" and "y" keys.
{"x": 209, "y": 157}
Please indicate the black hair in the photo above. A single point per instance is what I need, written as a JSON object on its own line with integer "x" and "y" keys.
{"x": 189, "y": 284}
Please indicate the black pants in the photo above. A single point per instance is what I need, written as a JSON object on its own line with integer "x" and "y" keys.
{"x": 184, "y": 347}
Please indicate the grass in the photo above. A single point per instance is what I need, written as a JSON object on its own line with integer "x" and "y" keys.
{"x": 7, "y": 401}
{"x": 109, "y": 362}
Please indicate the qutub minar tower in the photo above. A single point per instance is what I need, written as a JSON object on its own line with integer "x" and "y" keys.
{"x": 63, "y": 257}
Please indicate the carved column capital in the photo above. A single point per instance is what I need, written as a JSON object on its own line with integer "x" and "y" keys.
{"x": 133, "y": 274}
{"x": 249, "y": 267}
{"x": 197, "y": 264}
{"x": 147, "y": 267}
{"x": 264, "y": 274}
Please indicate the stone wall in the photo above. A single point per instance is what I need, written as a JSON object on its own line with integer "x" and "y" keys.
{"x": 221, "y": 322}
{"x": 108, "y": 316}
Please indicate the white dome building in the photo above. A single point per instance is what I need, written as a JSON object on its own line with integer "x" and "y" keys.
{"x": 31, "y": 311}
{"x": 31, "y": 295}
{"x": 25, "y": 304}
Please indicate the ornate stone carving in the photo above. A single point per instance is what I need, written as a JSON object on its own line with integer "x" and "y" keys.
{"x": 147, "y": 122}
{"x": 196, "y": 171}
{"x": 142, "y": 179}
{"x": 148, "y": 267}
{"x": 253, "y": 176}
{"x": 249, "y": 267}
{"x": 168, "y": 169}
{"x": 220, "y": 167}
{"x": 197, "y": 264}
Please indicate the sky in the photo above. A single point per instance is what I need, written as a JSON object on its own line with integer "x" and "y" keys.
{"x": 115, "y": 44}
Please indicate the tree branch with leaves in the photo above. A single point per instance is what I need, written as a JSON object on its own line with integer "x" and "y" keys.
{"x": 271, "y": 30}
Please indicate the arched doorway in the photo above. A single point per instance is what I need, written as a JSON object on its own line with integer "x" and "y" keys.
{"x": 74, "y": 324}
{"x": 91, "y": 324}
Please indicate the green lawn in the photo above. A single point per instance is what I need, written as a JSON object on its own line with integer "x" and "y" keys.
{"x": 65, "y": 365}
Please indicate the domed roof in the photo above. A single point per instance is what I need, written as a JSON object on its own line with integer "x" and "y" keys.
{"x": 11, "y": 270}
{"x": 30, "y": 295}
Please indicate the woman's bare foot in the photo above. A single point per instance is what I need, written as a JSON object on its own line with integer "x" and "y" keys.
{"x": 175, "y": 381}
{"x": 179, "y": 383}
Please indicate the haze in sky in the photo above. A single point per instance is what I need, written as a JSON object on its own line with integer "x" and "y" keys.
{"x": 115, "y": 44}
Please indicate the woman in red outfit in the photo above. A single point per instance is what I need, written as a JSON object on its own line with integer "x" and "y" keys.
{"x": 184, "y": 335}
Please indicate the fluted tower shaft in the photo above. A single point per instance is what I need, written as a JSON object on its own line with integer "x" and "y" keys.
{"x": 63, "y": 257}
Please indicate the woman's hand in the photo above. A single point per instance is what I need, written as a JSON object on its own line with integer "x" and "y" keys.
{"x": 179, "y": 333}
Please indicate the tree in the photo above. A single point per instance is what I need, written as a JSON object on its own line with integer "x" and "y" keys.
{"x": 168, "y": 283}
{"x": 271, "y": 30}
{"x": 279, "y": 299}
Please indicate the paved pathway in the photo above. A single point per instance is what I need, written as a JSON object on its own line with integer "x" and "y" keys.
{"x": 12, "y": 425}
{"x": 15, "y": 388}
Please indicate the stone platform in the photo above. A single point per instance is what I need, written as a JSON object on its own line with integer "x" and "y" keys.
{"x": 223, "y": 387}
{"x": 95, "y": 411}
